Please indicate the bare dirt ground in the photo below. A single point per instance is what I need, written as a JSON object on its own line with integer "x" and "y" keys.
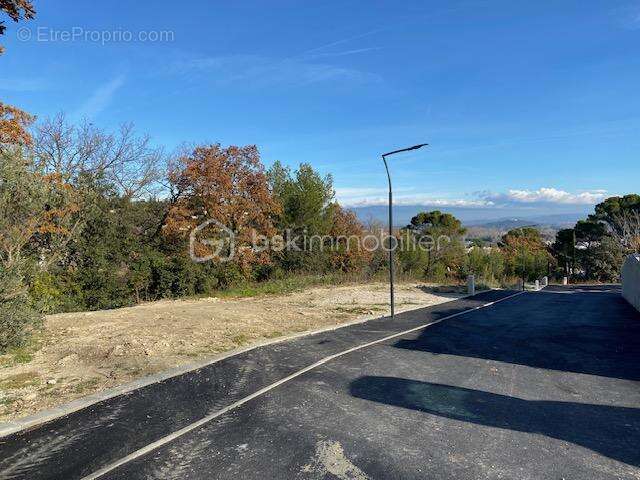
{"x": 82, "y": 353}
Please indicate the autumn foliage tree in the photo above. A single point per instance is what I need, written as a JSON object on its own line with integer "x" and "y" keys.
{"x": 349, "y": 249}
{"x": 229, "y": 186}
{"x": 14, "y": 123}
{"x": 16, "y": 10}
{"x": 14, "y": 126}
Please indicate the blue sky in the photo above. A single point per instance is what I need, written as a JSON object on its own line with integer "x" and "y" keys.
{"x": 528, "y": 106}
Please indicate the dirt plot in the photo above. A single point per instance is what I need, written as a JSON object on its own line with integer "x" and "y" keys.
{"x": 82, "y": 353}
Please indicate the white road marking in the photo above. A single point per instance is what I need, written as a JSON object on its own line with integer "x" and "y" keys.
{"x": 189, "y": 428}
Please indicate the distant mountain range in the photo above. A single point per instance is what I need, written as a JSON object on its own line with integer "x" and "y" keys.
{"x": 564, "y": 220}
{"x": 492, "y": 218}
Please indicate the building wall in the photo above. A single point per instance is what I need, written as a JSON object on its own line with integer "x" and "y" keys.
{"x": 631, "y": 280}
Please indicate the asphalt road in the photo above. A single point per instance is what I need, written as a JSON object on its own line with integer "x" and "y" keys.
{"x": 542, "y": 385}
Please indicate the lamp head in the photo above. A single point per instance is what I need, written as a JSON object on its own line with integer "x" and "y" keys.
{"x": 415, "y": 147}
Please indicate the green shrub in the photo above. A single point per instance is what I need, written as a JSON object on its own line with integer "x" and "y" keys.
{"x": 18, "y": 320}
{"x": 18, "y": 317}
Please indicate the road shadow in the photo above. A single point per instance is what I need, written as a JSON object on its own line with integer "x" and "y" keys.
{"x": 593, "y": 333}
{"x": 447, "y": 291}
{"x": 610, "y": 431}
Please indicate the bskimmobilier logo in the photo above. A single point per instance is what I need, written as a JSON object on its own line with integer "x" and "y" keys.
{"x": 220, "y": 248}
{"x": 212, "y": 240}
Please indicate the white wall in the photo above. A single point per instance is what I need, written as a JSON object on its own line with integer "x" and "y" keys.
{"x": 631, "y": 280}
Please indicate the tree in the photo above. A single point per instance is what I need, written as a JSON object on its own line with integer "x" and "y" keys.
{"x": 35, "y": 224}
{"x": 627, "y": 231}
{"x": 525, "y": 253}
{"x": 589, "y": 232}
{"x": 14, "y": 127}
{"x": 589, "y": 235}
{"x": 437, "y": 222}
{"x": 616, "y": 213}
{"x": 307, "y": 213}
{"x": 14, "y": 123}
{"x": 115, "y": 258}
{"x": 36, "y": 210}
{"x": 18, "y": 317}
{"x": 564, "y": 249}
{"x": 86, "y": 156}
{"x": 227, "y": 185}
{"x": 620, "y": 216}
{"x": 349, "y": 253}
{"x": 487, "y": 264}
{"x": 610, "y": 208}
{"x": 604, "y": 261}
{"x": 596, "y": 247}
{"x": 16, "y": 10}
{"x": 441, "y": 235}
{"x": 306, "y": 198}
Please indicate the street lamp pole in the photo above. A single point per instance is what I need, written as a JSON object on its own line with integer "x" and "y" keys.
{"x": 391, "y": 249}
{"x": 524, "y": 269}
{"x": 524, "y": 259}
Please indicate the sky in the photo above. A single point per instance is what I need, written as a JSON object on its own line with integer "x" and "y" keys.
{"x": 528, "y": 107}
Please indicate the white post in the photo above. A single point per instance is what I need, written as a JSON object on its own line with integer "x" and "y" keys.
{"x": 537, "y": 285}
{"x": 631, "y": 280}
{"x": 565, "y": 281}
{"x": 545, "y": 281}
{"x": 471, "y": 285}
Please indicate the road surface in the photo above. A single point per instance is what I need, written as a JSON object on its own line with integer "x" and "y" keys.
{"x": 537, "y": 385}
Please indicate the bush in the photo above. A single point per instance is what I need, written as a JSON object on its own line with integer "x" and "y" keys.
{"x": 18, "y": 320}
{"x": 18, "y": 317}
{"x": 487, "y": 265}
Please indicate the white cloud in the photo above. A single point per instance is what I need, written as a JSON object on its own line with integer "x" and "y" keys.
{"x": 424, "y": 201}
{"x": 351, "y": 192}
{"x": 260, "y": 71}
{"x": 22, "y": 84}
{"x": 99, "y": 99}
{"x": 344, "y": 52}
{"x": 628, "y": 17}
{"x": 546, "y": 195}
{"x": 344, "y": 40}
{"x": 413, "y": 200}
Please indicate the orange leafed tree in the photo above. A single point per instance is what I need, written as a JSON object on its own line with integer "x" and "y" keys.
{"x": 227, "y": 185}
{"x": 14, "y": 126}
{"x": 14, "y": 123}
{"x": 350, "y": 249}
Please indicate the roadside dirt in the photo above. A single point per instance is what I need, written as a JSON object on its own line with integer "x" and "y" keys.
{"x": 82, "y": 353}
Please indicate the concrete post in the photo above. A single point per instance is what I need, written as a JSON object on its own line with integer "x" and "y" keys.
{"x": 565, "y": 280}
{"x": 537, "y": 285}
{"x": 471, "y": 284}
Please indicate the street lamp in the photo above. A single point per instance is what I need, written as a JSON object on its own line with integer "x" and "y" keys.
{"x": 524, "y": 259}
{"x": 384, "y": 159}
